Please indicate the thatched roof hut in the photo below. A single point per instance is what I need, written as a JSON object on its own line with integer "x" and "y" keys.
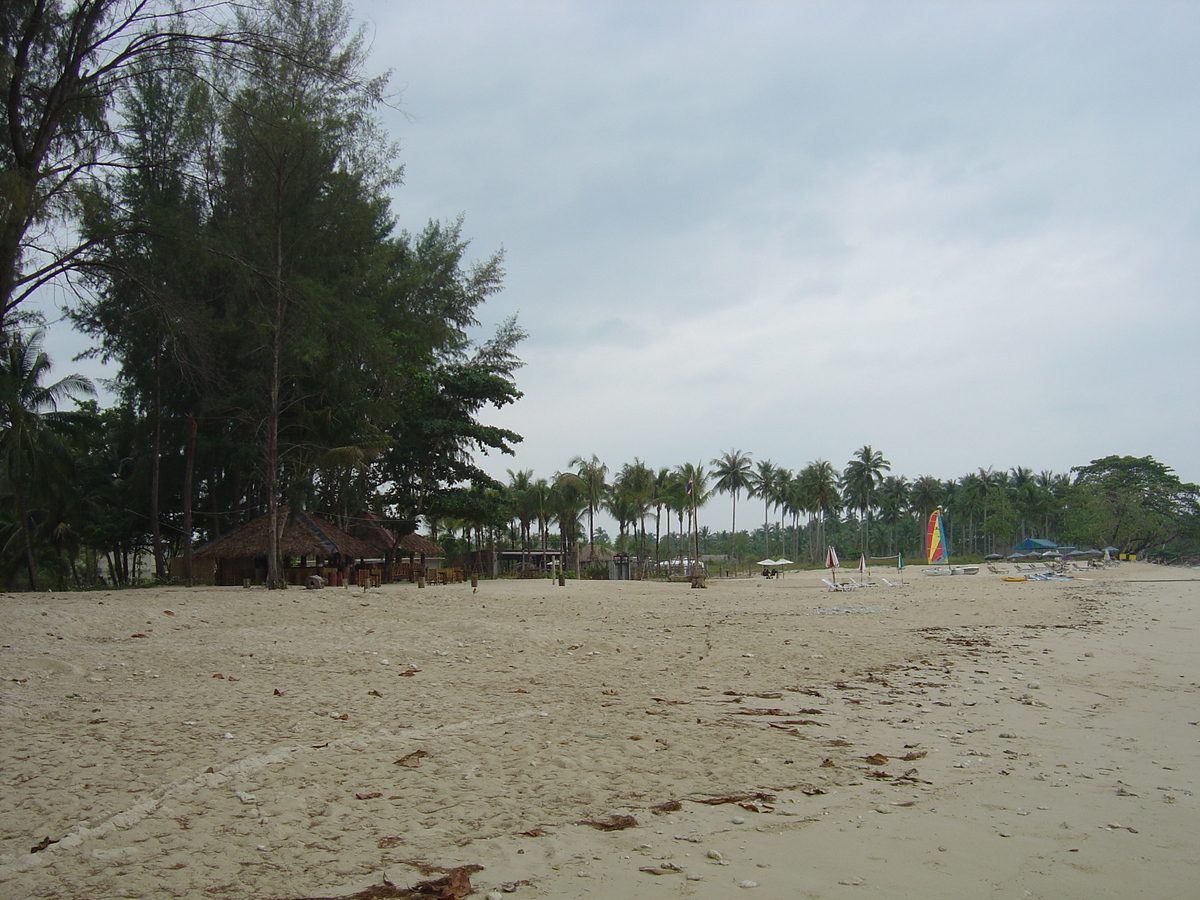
{"x": 414, "y": 544}
{"x": 303, "y": 535}
{"x": 372, "y": 532}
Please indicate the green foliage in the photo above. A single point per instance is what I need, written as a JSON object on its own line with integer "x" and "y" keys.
{"x": 1133, "y": 503}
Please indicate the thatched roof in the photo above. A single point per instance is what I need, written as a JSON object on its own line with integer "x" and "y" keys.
{"x": 594, "y": 552}
{"x": 414, "y": 543}
{"x": 303, "y": 535}
{"x": 371, "y": 531}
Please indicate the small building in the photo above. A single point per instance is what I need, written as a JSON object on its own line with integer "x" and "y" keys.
{"x": 384, "y": 544}
{"x": 308, "y": 545}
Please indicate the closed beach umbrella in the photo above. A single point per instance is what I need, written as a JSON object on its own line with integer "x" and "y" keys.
{"x": 831, "y": 560}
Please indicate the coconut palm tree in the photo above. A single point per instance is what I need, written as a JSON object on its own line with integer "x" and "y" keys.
{"x": 734, "y": 474}
{"x": 540, "y": 499}
{"x": 894, "y": 499}
{"x": 524, "y": 506}
{"x": 862, "y": 476}
{"x": 593, "y": 474}
{"x": 762, "y": 485}
{"x": 821, "y": 487}
{"x": 925, "y": 497}
{"x": 694, "y": 480}
{"x": 622, "y": 505}
{"x": 638, "y": 481}
{"x": 568, "y": 498}
{"x": 35, "y": 453}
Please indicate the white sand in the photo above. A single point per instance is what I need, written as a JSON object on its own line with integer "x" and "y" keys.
{"x": 214, "y": 743}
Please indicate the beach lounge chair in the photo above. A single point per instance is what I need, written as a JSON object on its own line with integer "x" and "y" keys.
{"x": 833, "y": 586}
{"x": 893, "y": 583}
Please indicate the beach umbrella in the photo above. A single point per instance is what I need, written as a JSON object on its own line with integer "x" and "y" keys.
{"x": 993, "y": 556}
{"x": 1049, "y": 553}
{"x": 766, "y": 562}
{"x": 831, "y": 563}
{"x": 783, "y": 562}
{"x": 1015, "y": 556}
{"x": 862, "y": 564}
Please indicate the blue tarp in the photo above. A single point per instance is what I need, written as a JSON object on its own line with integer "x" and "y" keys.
{"x": 1034, "y": 544}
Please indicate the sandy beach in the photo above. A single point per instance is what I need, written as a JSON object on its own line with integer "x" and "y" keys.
{"x": 956, "y": 737}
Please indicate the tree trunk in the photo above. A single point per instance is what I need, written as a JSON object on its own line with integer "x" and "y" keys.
{"x": 155, "y": 470}
{"x": 27, "y": 540}
{"x": 274, "y": 564}
{"x": 188, "y": 469}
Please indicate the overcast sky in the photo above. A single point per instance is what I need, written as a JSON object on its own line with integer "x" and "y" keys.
{"x": 962, "y": 233}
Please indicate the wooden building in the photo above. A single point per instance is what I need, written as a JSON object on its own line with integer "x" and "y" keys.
{"x": 309, "y": 546}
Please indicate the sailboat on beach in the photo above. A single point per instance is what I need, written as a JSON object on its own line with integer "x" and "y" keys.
{"x": 935, "y": 534}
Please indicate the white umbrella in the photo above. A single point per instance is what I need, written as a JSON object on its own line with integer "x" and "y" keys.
{"x": 767, "y": 562}
{"x": 783, "y": 562}
{"x": 831, "y": 560}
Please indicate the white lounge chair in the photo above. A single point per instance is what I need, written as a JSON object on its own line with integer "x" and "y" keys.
{"x": 833, "y": 586}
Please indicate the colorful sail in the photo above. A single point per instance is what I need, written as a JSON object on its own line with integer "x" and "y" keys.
{"x": 936, "y": 538}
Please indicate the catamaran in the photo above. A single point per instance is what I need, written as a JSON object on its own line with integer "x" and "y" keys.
{"x": 935, "y": 535}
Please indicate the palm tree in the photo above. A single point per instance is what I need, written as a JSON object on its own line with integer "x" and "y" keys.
{"x": 637, "y": 480}
{"x": 523, "y": 502}
{"x": 925, "y": 497}
{"x": 540, "y": 500}
{"x": 894, "y": 499}
{"x": 35, "y": 456}
{"x": 763, "y": 486}
{"x": 695, "y": 493}
{"x": 568, "y": 499}
{"x": 821, "y": 486}
{"x": 862, "y": 476}
{"x": 622, "y": 506}
{"x": 1024, "y": 492}
{"x": 660, "y": 498}
{"x": 972, "y": 500}
{"x": 779, "y": 500}
{"x": 592, "y": 473}
{"x": 734, "y": 474}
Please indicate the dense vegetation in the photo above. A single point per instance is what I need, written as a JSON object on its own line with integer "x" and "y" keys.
{"x": 218, "y": 193}
{"x": 212, "y": 179}
{"x": 1136, "y": 505}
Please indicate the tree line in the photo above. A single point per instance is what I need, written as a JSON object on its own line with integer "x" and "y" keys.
{"x": 1133, "y": 503}
{"x": 213, "y": 181}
